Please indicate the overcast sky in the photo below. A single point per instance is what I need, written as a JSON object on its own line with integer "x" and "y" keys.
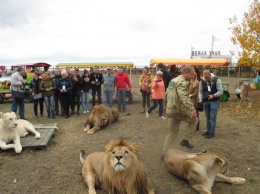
{"x": 56, "y": 31}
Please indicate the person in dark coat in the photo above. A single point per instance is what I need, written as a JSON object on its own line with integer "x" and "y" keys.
{"x": 76, "y": 91}
{"x": 37, "y": 94}
{"x": 65, "y": 87}
{"x": 96, "y": 79}
{"x": 166, "y": 75}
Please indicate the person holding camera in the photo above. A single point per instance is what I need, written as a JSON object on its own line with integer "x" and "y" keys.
{"x": 179, "y": 108}
{"x": 96, "y": 80}
{"x": 210, "y": 91}
{"x": 157, "y": 95}
{"x": 18, "y": 86}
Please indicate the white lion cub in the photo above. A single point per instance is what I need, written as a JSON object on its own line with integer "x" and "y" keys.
{"x": 12, "y": 129}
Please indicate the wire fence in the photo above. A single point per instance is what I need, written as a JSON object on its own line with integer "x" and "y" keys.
{"x": 239, "y": 72}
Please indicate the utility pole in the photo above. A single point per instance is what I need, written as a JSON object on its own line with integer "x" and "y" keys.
{"x": 212, "y": 46}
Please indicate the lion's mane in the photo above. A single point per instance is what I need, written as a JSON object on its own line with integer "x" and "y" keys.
{"x": 133, "y": 179}
{"x": 99, "y": 112}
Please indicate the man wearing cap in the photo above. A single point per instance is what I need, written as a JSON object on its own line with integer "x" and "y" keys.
{"x": 179, "y": 108}
{"x": 109, "y": 87}
{"x": 96, "y": 80}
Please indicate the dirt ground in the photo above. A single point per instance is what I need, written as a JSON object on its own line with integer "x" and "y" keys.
{"x": 57, "y": 169}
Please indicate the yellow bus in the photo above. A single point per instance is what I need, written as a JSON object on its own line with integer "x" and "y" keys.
{"x": 194, "y": 62}
{"x": 197, "y": 62}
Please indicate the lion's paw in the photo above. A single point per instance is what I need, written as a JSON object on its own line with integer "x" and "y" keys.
{"x": 18, "y": 149}
{"x": 92, "y": 191}
{"x": 37, "y": 136}
{"x": 90, "y": 132}
{"x": 25, "y": 134}
{"x": 238, "y": 180}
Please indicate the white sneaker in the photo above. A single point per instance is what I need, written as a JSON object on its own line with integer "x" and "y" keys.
{"x": 162, "y": 117}
{"x": 84, "y": 112}
{"x": 87, "y": 111}
{"x": 147, "y": 114}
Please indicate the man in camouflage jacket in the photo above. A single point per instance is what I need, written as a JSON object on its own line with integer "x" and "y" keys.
{"x": 179, "y": 108}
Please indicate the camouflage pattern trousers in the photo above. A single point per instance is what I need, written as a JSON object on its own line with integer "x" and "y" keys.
{"x": 174, "y": 121}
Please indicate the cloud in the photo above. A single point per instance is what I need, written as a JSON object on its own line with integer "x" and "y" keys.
{"x": 15, "y": 13}
{"x": 84, "y": 30}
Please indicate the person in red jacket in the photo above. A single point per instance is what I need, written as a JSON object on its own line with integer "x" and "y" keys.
{"x": 122, "y": 83}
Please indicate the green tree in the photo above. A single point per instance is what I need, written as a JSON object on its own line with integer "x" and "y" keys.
{"x": 247, "y": 36}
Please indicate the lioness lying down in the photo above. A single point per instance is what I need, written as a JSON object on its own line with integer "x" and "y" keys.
{"x": 12, "y": 129}
{"x": 200, "y": 169}
{"x": 118, "y": 170}
{"x": 100, "y": 117}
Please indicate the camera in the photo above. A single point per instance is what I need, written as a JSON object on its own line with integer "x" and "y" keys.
{"x": 199, "y": 107}
{"x": 205, "y": 99}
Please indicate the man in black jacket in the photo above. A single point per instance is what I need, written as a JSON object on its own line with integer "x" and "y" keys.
{"x": 166, "y": 75}
{"x": 96, "y": 79}
{"x": 76, "y": 91}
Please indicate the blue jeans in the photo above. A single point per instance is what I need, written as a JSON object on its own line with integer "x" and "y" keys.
{"x": 108, "y": 98}
{"x": 121, "y": 98}
{"x": 155, "y": 104}
{"x": 211, "y": 111}
{"x": 85, "y": 101}
{"x": 16, "y": 104}
{"x": 49, "y": 101}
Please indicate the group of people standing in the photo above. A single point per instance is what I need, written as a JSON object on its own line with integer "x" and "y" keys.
{"x": 64, "y": 92}
{"x": 155, "y": 86}
{"x": 179, "y": 96}
{"x": 182, "y": 96}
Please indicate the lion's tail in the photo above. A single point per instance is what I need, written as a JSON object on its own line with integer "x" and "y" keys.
{"x": 81, "y": 153}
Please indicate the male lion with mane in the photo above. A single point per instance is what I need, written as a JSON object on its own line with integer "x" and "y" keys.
{"x": 200, "y": 169}
{"x": 100, "y": 116}
{"x": 118, "y": 170}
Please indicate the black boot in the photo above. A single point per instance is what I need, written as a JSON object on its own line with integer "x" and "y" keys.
{"x": 186, "y": 143}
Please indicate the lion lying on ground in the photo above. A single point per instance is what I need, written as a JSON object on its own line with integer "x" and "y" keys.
{"x": 12, "y": 129}
{"x": 100, "y": 116}
{"x": 247, "y": 93}
{"x": 118, "y": 170}
{"x": 200, "y": 169}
